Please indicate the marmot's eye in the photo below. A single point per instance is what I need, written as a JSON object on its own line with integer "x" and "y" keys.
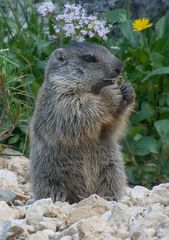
{"x": 89, "y": 58}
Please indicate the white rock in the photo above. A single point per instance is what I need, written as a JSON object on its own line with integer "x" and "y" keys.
{"x": 92, "y": 228}
{"x": 119, "y": 214}
{"x": 22, "y": 211}
{"x": 106, "y": 216}
{"x": 18, "y": 165}
{"x": 34, "y": 215}
{"x": 49, "y": 208}
{"x": 137, "y": 210}
{"x": 66, "y": 238}
{"x": 3, "y": 163}
{"x": 21, "y": 165}
{"x": 41, "y": 235}
{"x": 8, "y": 180}
{"x": 167, "y": 210}
{"x": 25, "y": 187}
{"x": 14, "y": 229}
{"x": 4, "y": 228}
{"x": 7, "y": 212}
{"x": 138, "y": 194}
{"x": 91, "y": 206}
{"x": 163, "y": 229}
{"x": 144, "y": 225}
{"x": 44, "y": 214}
{"x": 144, "y": 234}
{"x": 118, "y": 217}
{"x": 9, "y": 152}
{"x": 127, "y": 200}
{"x": 141, "y": 214}
{"x": 47, "y": 224}
{"x": 160, "y": 194}
{"x": 7, "y": 195}
{"x": 162, "y": 186}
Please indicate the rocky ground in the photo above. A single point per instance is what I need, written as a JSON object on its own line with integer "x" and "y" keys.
{"x": 141, "y": 215}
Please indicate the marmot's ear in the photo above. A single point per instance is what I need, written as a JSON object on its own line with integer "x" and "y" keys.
{"x": 60, "y": 55}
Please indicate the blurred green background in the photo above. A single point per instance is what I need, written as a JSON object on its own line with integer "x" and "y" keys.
{"x": 24, "y": 49}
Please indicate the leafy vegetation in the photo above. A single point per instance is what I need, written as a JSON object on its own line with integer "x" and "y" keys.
{"x": 146, "y": 57}
{"x": 24, "y": 49}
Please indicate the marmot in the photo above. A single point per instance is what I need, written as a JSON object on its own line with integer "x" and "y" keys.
{"x": 79, "y": 116}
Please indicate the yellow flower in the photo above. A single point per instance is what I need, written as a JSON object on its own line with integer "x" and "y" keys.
{"x": 141, "y": 24}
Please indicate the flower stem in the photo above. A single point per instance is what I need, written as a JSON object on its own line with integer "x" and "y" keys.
{"x": 127, "y": 9}
{"x": 143, "y": 41}
{"x": 60, "y": 5}
{"x": 145, "y": 46}
{"x": 60, "y": 35}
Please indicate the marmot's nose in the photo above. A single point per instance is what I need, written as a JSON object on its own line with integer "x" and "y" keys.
{"x": 118, "y": 67}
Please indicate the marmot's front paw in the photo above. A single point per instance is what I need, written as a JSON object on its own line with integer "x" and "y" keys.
{"x": 128, "y": 94}
{"x": 113, "y": 95}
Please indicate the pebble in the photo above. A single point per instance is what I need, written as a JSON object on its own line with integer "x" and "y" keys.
{"x": 142, "y": 214}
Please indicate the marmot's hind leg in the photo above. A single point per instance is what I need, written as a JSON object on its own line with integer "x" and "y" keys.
{"x": 50, "y": 189}
{"x": 113, "y": 182}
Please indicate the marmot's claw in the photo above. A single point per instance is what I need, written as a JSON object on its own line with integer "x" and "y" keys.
{"x": 128, "y": 94}
{"x": 110, "y": 199}
{"x": 58, "y": 193}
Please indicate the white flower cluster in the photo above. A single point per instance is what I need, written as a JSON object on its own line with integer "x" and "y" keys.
{"x": 76, "y": 24}
{"x": 45, "y": 8}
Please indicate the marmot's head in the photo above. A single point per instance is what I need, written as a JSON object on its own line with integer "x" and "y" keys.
{"x": 84, "y": 64}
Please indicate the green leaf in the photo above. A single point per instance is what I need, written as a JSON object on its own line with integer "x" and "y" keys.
{"x": 149, "y": 168}
{"x": 164, "y": 99}
{"x": 24, "y": 128}
{"x": 163, "y": 166}
{"x": 129, "y": 34}
{"x": 133, "y": 174}
{"x": 154, "y": 147}
{"x": 158, "y": 60}
{"x": 40, "y": 43}
{"x": 135, "y": 130}
{"x": 159, "y": 71}
{"x": 117, "y": 15}
{"x": 146, "y": 145}
{"x": 149, "y": 179}
{"x": 161, "y": 45}
{"x": 140, "y": 54}
{"x": 41, "y": 65}
{"x": 162, "y": 26}
{"x": 137, "y": 137}
{"x": 145, "y": 113}
{"x": 35, "y": 88}
{"x": 162, "y": 127}
{"x": 14, "y": 139}
{"x": 149, "y": 172}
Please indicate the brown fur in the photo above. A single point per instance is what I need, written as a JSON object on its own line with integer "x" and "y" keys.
{"x": 78, "y": 120}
